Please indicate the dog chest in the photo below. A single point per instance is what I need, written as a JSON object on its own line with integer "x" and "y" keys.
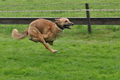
{"x": 54, "y": 36}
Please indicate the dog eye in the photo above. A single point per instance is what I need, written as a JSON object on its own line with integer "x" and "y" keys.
{"x": 66, "y": 21}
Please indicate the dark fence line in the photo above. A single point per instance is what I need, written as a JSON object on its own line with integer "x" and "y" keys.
{"x": 77, "y": 21}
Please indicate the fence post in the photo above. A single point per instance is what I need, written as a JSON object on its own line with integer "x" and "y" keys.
{"x": 88, "y": 18}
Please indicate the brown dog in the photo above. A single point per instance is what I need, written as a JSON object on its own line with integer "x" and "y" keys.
{"x": 44, "y": 31}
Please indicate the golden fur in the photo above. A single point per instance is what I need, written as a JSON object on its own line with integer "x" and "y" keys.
{"x": 44, "y": 31}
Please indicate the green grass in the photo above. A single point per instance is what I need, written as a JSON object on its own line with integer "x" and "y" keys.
{"x": 32, "y": 8}
{"x": 80, "y": 56}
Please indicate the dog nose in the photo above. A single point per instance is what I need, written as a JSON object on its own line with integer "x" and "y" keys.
{"x": 72, "y": 23}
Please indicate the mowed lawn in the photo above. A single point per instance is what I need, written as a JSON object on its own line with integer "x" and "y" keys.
{"x": 80, "y": 56}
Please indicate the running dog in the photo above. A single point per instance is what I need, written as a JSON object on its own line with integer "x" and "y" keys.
{"x": 44, "y": 31}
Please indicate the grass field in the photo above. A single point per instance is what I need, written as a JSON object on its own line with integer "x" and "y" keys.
{"x": 36, "y": 8}
{"x": 80, "y": 56}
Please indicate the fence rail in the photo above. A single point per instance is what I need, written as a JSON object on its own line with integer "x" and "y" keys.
{"x": 62, "y": 10}
{"x": 77, "y": 21}
{"x": 96, "y": 14}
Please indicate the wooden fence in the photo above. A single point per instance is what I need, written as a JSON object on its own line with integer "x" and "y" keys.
{"x": 77, "y": 20}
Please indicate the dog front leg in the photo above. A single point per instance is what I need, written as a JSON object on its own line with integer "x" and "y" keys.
{"x": 45, "y": 36}
{"x": 47, "y": 47}
{"x": 41, "y": 39}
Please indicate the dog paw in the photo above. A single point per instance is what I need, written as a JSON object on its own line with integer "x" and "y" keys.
{"x": 54, "y": 51}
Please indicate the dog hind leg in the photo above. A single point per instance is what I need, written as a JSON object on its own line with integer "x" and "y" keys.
{"x": 33, "y": 39}
{"x": 36, "y": 36}
{"x": 50, "y": 42}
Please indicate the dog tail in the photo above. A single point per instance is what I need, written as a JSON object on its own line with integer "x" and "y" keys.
{"x": 17, "y": 35}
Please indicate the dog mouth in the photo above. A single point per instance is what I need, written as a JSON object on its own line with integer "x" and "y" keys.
{"x": 68, "y": 26}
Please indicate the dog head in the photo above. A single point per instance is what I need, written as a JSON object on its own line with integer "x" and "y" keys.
{"x": 64, "y": 23}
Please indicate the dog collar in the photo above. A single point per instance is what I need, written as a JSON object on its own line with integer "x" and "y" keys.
{"x": 59, "y": 26}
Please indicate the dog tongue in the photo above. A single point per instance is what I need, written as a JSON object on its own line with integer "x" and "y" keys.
{"x": 69, "y": 27}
